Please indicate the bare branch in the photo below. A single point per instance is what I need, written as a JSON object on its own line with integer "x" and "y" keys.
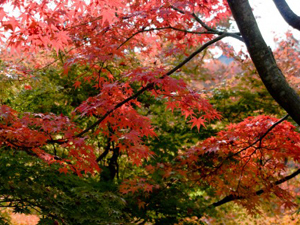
{"x": 288, "y": 15}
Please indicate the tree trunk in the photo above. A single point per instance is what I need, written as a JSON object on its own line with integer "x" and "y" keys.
{"x": 263, "y": 59}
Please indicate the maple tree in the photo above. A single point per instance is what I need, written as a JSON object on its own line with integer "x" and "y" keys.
{"x": 100, "y": 99}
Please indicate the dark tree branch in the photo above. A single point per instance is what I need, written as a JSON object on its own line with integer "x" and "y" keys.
{"x": 106, "y": 151}
{"x": 160, "y": 28}
{"x": 265, "y": 134}
{"x": 231, "y": 197}
{"x": 210, "y": 29}
{"x": 288, "y": 15}
{"x": 251, "y": 145}
{"x": 181, "y": 30}
{"x": 263, "y": 59}
{"x": 113, "y": 164}
{"x": 202, "y": 23}
{"x": 206, "y": 27}
{"x": 28, "y": 150}
{"x": 151, "y": 85}
{"x": 146, "y": 88}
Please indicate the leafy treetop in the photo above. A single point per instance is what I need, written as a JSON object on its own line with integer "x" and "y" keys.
{"x": 126, "y": 51}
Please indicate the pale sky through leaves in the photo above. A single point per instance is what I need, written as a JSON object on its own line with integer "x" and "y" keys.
{"x": 270, "y": 22}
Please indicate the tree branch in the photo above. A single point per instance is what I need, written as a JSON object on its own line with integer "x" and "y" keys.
{"x": 151, "y": 85}
{"x": 288, "y": 15}
{"x": 231, "y": 197}
{"x": 106, "y": 151}
{"x": 160, "y": 28}
{"x": 265, "y": 134}
{"x": 210, "y": 29}
{"x": 251, "y": 145}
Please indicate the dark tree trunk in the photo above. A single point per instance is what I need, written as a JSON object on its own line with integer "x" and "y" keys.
{"x": 263, "y": 59}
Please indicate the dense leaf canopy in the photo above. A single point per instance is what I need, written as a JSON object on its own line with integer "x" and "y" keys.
{"x": 116, "y": 112}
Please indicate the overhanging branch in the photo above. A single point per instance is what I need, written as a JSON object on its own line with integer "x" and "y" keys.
{"x": 210, "y": 29}
{"x": 288, "y": 15}
{"x": 254, "y": 143}
{"x": 231, "y": 197}
{"x": 264, "y": 135}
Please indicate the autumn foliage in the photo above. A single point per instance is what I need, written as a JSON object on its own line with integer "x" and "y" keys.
{"x": 115, "y": 123}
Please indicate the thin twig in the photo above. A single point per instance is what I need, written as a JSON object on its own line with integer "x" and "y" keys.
{"x": 255, "y": 142}
{"x": 210, "y": 29}
{"x": 264, "y": 135}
